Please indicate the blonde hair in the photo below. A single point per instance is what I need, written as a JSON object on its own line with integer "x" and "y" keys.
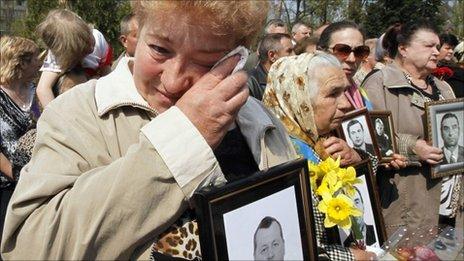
{"x": 241, "y": 20}
{"x": 15, "y": 52}
{"x": 67, "y": 36}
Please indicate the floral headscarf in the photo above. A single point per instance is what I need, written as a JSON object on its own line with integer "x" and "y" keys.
{"x": 287, "y": 96}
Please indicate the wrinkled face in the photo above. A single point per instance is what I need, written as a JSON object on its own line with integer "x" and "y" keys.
{"x": 379, "y": 127}
{"x": 287, "y": 48}
{"x": 269, "y": 244}
{"x": 353, "y": 38}
{"x": 356, "y": 134}
{"x": 446, "y": 52}
{"x": 422, "y": 50}
{"x": 302, "y": 32}
{"x": 130, "y": 42}
{"x": 172, "y": 55}
{"x": 330, "y": 104}
{"x": 450, "y": 131}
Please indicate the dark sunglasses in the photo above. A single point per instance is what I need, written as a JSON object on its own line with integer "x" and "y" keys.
{"x": 343, "y": 51}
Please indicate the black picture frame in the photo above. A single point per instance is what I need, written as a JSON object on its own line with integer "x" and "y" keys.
{"x": 229, "y": 216}
{"x": 435, "y": 111}
{"x": 338, "y": 236}
{"x": 387, "y": 140}
{"x": 362, "y": 116}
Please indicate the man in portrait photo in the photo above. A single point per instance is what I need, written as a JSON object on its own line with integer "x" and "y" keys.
{"x": 450, "y": 131}
{"x": 367, "y": 231}
{"x": 268, "y": 240}
{"x": 357, "y": 136}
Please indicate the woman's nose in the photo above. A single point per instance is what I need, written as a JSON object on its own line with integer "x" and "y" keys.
{"x": 175, "y": 78}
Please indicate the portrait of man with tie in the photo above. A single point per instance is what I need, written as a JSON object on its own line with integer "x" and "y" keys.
{"x": 450, "y": 133}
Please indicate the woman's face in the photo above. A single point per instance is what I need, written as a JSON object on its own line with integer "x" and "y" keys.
{"x": 379, "y": 127}
{"x": 31, "y": 68}
{"x": 172, "y": 55}
{"x": 330, "y": 104}
{"x": 446, "y": 52}
{"x": 353, "y": 38}
{"x": 422, "y": 50}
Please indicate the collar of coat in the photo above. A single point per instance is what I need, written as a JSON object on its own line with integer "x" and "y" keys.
{"x": 394, "y": 79}
{"x": 117, "y": 89}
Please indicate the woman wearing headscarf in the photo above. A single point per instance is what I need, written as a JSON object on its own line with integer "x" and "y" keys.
{"x": 306, "y": 93}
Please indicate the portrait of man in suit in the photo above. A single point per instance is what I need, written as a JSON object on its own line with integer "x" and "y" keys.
{"x": 367, "y": 231}
{"x": 450, "y": 132}
{"x": 357, "y": 135}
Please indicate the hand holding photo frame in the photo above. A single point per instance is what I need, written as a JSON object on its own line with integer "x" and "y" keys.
{"x": 266, "y": 214}
{"x": 384, "y": 134}
{"x": 445, "y": 125}
{"x": 371, "y": 223}
{"x": 356, "y": 129}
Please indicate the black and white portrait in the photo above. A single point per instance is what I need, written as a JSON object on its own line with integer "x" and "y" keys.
{"x": 383, "y": 136}
{"x": 445, "y": 127}
{"x": 267, "y": 229}
{"x": 366, "y": 222}
{"x": 358, "y": 135}
{"x": 451, "y": 139}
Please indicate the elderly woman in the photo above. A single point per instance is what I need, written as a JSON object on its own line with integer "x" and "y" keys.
{"x": 410, "y": 197}
{"x": 18, "y": 108}
{"x": 117, "y": 159}
{"x": 345, "y": 41}
{"x": 306, "y": 93}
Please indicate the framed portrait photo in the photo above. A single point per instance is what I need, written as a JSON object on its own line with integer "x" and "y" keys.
{"x": 267, "y": 215}
{"x": 356, "y": 129}
{"x": 445, "y": 125}
{"x": 371, "y": 224}
{"x": 384, "y": 134}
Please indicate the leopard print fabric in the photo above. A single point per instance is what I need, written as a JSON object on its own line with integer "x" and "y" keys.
{"x": 181, "y": 240}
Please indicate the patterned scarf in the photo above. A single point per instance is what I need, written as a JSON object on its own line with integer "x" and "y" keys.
{"x": 287, "y": 96}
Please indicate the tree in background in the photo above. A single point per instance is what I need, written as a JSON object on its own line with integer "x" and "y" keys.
{"x": 105, "y": 15}
{"x": 381, "y": 14}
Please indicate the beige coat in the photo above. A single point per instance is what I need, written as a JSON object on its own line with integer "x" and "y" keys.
{"x": 409, "y": 196}
{"x": 107, "y": 175}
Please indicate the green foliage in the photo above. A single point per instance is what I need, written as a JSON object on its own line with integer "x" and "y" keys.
{"x": 36, "y": 11}
{"x": 383, "y": 13}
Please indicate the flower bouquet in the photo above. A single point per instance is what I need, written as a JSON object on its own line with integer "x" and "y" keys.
{"x": 335, "y": 185}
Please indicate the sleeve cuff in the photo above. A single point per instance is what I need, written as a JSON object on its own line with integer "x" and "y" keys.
{"x": 184, "y": 150}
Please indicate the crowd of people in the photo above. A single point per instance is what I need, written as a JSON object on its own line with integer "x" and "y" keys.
{"x": 107, "y": 169}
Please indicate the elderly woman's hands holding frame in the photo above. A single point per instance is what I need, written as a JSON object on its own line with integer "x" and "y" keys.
{"x": 338, "y": 147}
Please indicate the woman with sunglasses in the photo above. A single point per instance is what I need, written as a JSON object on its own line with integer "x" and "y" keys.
{"x": 410, "y": 198}
{"x": 346, "y": 41}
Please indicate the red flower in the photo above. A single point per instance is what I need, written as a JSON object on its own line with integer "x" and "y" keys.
{"x": 441, "y": 72}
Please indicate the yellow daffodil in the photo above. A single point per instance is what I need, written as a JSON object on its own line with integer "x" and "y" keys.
{"x": 348, "y": 179}
{"x": 338, "y": 210}
{"x": 319, "y": 171}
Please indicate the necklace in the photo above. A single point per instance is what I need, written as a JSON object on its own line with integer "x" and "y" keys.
{"x": 409, "y": 79}
{"x": 22, "y": 102}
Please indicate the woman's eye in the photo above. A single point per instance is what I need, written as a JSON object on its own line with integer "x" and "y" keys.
{"x": 158, "y": 49}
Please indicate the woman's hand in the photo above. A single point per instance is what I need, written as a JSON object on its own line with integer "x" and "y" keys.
{"x": 398, "y": 162}
{"x": 428, "y": 153}
{"x": 363, "y": 255}
{"x": 338, "y": 147}
{"x": 213, "y": 102}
